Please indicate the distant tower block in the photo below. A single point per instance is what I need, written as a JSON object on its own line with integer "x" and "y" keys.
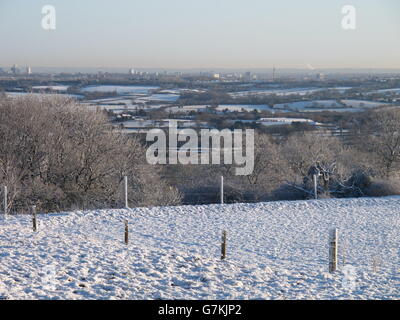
{"x": 320, "y": 76}
{"x": 14, "y": 69}
{"x": 28, "y": 70}
{"x": 273, "y": 73}
{"x": 216, "y": 75}
{"x": 132, "y": 71}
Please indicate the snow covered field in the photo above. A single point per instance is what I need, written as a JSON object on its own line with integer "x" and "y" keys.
{"x": 40, "y": 95}
{"x": 195, "y": 108}
{"x": 394, "y": 90}
{"x": 298, "y": 106}
{"x": 329, "y": 105}
{"x": 243, "y": 107}
{"x": 284, "y": 121}
{"x": 120, "y": 89}
{"x": 54, "y": 88}
{"x": 286, "y": 92}
{"x": 275, "y": 251}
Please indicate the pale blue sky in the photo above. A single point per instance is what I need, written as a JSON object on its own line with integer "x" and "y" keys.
{"x": 201, "y": 34}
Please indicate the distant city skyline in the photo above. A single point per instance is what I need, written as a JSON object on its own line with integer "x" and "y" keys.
{"x": 40, "y": 69}
{"x": 195, "y": 35}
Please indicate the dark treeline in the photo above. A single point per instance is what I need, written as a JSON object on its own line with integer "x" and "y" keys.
{"x": 59, "y": 155}
{"x": 366, "y": 164}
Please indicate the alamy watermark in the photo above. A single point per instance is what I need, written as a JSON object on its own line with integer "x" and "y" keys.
{"x": 49, "y": 17}
{"x": 198, "y": 150}
{"x": 349, "y": 21}
{"x": 49, "y": 277}
{"x": 349, "y": 278}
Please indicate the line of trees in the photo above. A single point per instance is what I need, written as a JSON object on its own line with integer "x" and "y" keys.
{"x": 59, "y": 155}
{"x": 367, "y": 166}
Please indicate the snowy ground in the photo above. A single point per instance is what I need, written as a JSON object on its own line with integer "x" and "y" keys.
{"x": 40, "y": 95}
{"x": 329, "y": 105}
{"x": 120, "y": 89}
{"x": 286, "y": 92}
{"x": 243, "y": 107}
{"x": 275, "y": 251}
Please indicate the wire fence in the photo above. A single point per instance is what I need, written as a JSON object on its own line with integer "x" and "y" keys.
{"x": 377, "y": 248}
{"x": 209, "y": 193}
{"x": 273, "y": 240}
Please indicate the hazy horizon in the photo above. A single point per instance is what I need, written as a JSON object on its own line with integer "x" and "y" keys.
{"x": 72, "y": 69}
{"x": 206, "y": 35}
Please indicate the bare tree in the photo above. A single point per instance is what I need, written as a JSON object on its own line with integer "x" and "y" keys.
{"x": 302, "y": 151}
{"x": 380, "y": 135}
{"x": 58, "y": 154}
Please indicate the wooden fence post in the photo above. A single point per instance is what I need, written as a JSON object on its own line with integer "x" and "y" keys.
{"x": 333, "y": 250}
{"x": 126, "y": 232}
{"x": 223, "y": 246}
{"x": 5, "y": 201}
{"x": 34, "y": 219}
{"x": 315, "y": 186}
{"x": 126, "y": 191}
{"x": 222, "y": 190}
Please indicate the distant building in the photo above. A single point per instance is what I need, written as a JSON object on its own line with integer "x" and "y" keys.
{"x": 15, "y": 69}
{"x": 28, "y": 70}
{"x": 320, "y": 76}
{"x": 132, "y": 71}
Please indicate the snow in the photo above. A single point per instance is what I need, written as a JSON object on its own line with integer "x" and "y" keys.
{"x": 301, "y": 105}
{"x": 196, "y": 108}
{"x": 115, "y": 101}
{"x": 132, "y": 95}
{"x": 394, "y": 90}
{"x": 41, "y": 95}
{"x": 167, "y": 97}
{"x": 120, "y": 89}
{"x": 243, "y": 107}
{"x": 363, "y": 103}
{"x": 276, "y": 250}
{"x": 164, "y": 123}
{"x": 329, "y": 105}
{"x": 54, "y": 88}
{"x": 221, "y": 108}
{"x": 120, "y": 108}
{"x": 298, "y": 106}
{"x": 286, "y": 92}
{"x": 284, "y": 121}
{"x": 278, "y": 121}
{"x": 141, "y": 123}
